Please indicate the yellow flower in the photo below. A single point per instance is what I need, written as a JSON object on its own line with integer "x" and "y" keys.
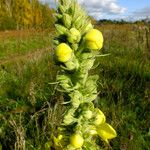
{"x": 76, "y": 140}
{"x": 93, "y": 39}
{"x": 99, "y": 117}
{"x": 106, "y": 131}
{"x": 63, "y": 52}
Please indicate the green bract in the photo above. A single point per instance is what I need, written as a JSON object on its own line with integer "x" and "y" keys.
{"x": 77, "y": 45}
{"x": 93, "y": 39}
{"x": 63, "y": 52}
{"x": 61, "y": 29}
{"x": 74, "y": 35}
{"x": 88, "y": 27}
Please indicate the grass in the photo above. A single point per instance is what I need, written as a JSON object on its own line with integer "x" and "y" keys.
{"x": 30, "y": 106}
{"x": 125, "y": 91}
{"x": 21, "y": 42}
{"x": 25, "y": 95}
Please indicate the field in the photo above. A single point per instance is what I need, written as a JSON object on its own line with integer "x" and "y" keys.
{"x": 31, "y": 108}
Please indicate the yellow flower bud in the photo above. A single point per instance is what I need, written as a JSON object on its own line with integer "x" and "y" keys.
{"x": 106, "y": 131}
{"x": 99, "y": 117}
{"x": 47, "y": 145}
{"x": 60, "y": 136}
{"x": 67, "y": 20}
{"x": 61, "y": 29}
{"x": 93, "y": 39}
{"x": 76, "y": 140}
{"x": 63, "y": 52}
{"x": 92, "y": 130}
{"x": 74, "y": 35}
{"x": 68, "y": 119}
{"x": 87, "y": 114}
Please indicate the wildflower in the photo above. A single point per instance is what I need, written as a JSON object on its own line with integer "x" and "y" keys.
{"x": 63, "y": 52}
{"x": 93, "y": 39}
{"x": 76, "y": 140}
{"x": 78, "y": 53}
{"x": 106, "y": 131}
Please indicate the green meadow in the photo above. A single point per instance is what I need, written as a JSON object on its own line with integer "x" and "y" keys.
{"x": 31, "y": 108}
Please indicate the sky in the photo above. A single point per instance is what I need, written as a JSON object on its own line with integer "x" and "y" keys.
{"x": 114, "y": 9}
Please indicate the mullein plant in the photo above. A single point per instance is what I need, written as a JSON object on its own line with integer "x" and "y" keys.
{"x": 77, "y": 45}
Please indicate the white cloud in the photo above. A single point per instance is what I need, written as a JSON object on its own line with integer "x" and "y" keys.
{"x": 101, "y": 8}
{"x": 98, "y": 8}
{"x": 105, "y": 6}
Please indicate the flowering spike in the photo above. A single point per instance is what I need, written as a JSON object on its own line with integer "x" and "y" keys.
{"x": 77, "y": 46}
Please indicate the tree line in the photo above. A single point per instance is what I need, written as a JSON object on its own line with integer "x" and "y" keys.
{"x": 121, "y": 21}
{"x": 20, "y": 14}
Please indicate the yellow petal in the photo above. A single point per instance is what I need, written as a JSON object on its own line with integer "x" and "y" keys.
{"x": 106, "y": 131}
{"x": 63, "y": 52}
{"x": 93, "y": 39}
{"x": 91, "y": 45}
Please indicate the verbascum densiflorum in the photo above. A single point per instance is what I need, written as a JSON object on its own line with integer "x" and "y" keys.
{"x": 77, "y": 44}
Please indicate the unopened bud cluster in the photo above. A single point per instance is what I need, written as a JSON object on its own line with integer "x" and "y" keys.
{"x": 77, "y": 45}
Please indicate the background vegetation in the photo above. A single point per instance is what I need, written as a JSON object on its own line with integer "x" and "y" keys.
{"x": 20, "y": 14}
{"x": 30, "y": 107}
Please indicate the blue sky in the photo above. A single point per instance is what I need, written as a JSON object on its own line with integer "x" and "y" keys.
{"x": 134, "y": 4}
{"x": 136, "y": 7}
{"x": 114, "y": 9}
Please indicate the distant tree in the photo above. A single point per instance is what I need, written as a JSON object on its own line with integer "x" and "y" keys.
{"x": 47, "y": 15}
{"x": 109, "y": 21}
{"x": 37, "y": 13}
{"x": 18, "y": 14}
{"x": 27, "y": 19}
{"x": 22, "y": 13}
{"x": 6, "y": 19}
{"x": 2, "y": 8}
{"x": 8, "y": 4}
